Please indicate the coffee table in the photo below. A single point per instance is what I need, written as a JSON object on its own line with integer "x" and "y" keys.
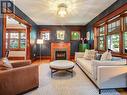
{"x": 61, "y": 65}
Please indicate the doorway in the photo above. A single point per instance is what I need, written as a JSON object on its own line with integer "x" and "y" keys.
{"x": 16, "y": 36}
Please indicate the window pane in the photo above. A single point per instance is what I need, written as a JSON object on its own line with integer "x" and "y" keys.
{"x": 101, "y": 43}
{"x": 14, "y": 35}
{"x": 6, "y": 35}
{"x": 101, "y": 32}
{"x": 22, "y": 40}
{"x": 113, "y": 24}
{"x": 118, "y": 23}
{"x": 109, "y": 27}
{"x": 125, "y": 42}
{"x": 22, "y": 43}
{"x": 13, "y": 43}
{"x": 23, "y": 35}
{"x": 6, "y": 43}
{"x": 114, "y": 27}
{"x": 113, "y": 42}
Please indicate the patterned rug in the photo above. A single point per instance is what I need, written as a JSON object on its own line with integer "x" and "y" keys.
{"x": 63, "y": 84}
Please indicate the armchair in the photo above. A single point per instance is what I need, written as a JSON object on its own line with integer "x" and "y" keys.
{"x": 22, "y": 78}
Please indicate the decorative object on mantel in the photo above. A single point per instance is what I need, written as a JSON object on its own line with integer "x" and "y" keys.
{"x": 40, "y": 41}
{"x": 84, "y": 40}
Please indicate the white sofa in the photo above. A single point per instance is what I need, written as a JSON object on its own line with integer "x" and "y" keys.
{"x": 104, "y": 74}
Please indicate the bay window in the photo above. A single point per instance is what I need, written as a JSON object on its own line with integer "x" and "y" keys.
{"x": 111, "y": 33}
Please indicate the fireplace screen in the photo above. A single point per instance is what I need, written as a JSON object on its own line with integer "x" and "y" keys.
{"x": 60, "y": 55}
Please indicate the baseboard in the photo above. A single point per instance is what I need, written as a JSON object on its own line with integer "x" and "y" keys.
{"x": 16, "y": 58}
{"x": 47, "y": 58}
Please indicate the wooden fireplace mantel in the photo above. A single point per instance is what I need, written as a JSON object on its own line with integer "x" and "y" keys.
{"x": 60, "y": 45}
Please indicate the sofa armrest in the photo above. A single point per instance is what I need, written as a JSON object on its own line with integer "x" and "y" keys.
{"x": 112, "y": 76}
{"x": 79, "y": 55}
{"x": 18, "y": 80}
{"x": 20, "y": 63}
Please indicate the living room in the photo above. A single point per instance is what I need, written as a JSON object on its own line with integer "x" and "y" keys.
{"x": 63, "y": 47}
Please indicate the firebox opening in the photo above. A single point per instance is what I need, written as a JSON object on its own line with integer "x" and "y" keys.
{"x": 60, "y": 55}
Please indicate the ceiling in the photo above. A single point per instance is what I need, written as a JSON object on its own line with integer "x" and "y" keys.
{"x": 80, "y": 12}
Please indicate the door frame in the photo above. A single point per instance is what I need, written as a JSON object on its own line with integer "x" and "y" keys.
{"x": 28, "y": 30}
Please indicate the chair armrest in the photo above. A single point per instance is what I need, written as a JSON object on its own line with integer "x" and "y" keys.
{"x": 20, "y": 63}
{"x": 112, "y": 75}
{"x": 79, "y": 55}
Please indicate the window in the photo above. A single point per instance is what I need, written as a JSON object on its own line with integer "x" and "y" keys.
{"x": 113, "y": 36}
{"x": 15, "y": 40}
{"x": 45, "y": 35}
{"x": 125, "y": 36}
{"x": 75, "y": 35}
{"x": 101, "y": 30}
{"x": 113, "y": 42}
{"x": 114, "y": 27}
{"x": 125, "y": 42}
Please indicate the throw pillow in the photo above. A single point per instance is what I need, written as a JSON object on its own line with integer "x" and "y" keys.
{"x": 6, "y": 63}
{"x": 2, "y": 66}
{"x": 106, "y": 56}
{"x": 98, "y": 56}
{"x": 90, "y": 54}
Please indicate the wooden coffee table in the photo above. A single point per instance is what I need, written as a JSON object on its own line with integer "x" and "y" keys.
{"x": 61, "y": 65}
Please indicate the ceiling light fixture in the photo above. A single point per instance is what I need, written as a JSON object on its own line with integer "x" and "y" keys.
{"x": 62, "y": 10}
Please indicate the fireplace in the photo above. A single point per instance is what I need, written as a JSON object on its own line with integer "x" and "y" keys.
{"x": 60, "y": 51}
{"x": 60, "y": 55}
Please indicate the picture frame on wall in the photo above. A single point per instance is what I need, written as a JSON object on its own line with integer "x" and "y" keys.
{"x": 45, "y": 35}
{"x": 75, "y": 35}
{"x": 60, "y": 34}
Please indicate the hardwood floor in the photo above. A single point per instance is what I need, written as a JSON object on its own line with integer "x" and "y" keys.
{"x": 46, "y": 61}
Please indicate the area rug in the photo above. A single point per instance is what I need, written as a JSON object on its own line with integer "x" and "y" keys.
{"x": 63, "y": 83}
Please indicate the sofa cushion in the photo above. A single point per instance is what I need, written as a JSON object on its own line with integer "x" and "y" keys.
{"x": 106, "y": 56}
{"x": 90, "y": 54}
{"x": 96, "y": 63}
{"x": 86, "y": 64}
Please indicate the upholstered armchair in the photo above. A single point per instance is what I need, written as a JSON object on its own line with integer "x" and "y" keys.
{"x": 21, "y": 78}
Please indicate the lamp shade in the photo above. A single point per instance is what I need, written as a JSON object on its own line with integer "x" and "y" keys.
{"x": 39, "y": 41}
